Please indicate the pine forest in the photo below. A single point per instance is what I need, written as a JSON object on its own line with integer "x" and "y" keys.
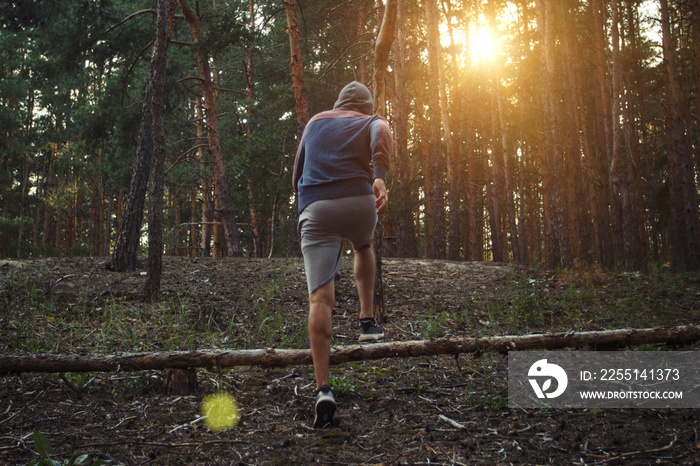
{"x": 538, "y": 132}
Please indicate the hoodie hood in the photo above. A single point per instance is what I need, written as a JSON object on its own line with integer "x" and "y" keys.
{"x": 356, "y": 96}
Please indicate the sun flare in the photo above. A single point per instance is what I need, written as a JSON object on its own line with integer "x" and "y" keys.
{"x": 482, "y": 45}
{"x": 477, "y": 44}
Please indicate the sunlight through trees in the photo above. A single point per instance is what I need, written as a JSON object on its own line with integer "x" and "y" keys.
{"x": 537, "y": 131}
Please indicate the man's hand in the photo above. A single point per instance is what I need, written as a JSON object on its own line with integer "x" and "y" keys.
{"x": 382, "y": 201}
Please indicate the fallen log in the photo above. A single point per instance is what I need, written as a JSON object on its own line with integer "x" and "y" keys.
{"x": 223, "y": 359}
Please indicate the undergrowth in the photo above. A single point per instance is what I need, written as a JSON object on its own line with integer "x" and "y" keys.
{"x": 526, "y": 301}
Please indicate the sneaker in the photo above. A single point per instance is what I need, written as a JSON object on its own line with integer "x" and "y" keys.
{"x": 325, "y": 407}
{"x": 370, "y": 330}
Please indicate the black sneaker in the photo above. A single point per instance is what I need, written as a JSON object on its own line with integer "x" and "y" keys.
{"x": 370, "y": 330}
{"x": 325, "y": 407}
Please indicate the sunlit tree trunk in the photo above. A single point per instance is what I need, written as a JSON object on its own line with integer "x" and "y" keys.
{"x": 427, "y": 171}
{"x": 406, "y": 236}
{"x": 385, "y": 37}
{"x": 222, "y": 187}
{"x": 299, "y": 85}
{"x": 437, "y": 191}
{"x": 495, "y": 189}
{"x": 474, "y": 250}
{"x": 573, "y": 127}
{"x": 508, "y": 184}
{"x": 555, "y": 167}
{"x": 361, "y": 13}
{"x": 453, "y": 234}
{"x": 683, "y": 229}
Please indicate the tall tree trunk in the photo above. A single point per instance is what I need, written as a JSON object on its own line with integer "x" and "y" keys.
{"x": 192, "y": 250}
{"x": 49, "y": 218}
{"x": 616, "y": 164}
{"x": 24, "y": 189}
{"x": 559, "y": 254}
{"x": 428, "y": 179}
{"x": 623, "y": 165}
{"x": 222, "y": 187}
{"x": 385, "y": 37}
{"x": 125, "y": 253}
{"x": 683, "y": 235}
{"x": 507, "y": 172}
{"x": 474, "y": 171}
{"x": 495, "y": 191}
{"x": 635, "y": 242}
{"x": 406, "y": 236}
{"x": 437, "y": 193}
{"x": 297, "y": 67}
{"x": 166, "y": 12}
{"x": 603, "y": 121}
{"x": 695, "y": 28}
{"x": 207, "y": 202}
{"x": 453, "y": 190}
{"x": 361, "y": 63}
{"x": 97, "y": 213}
{"x": 577, "y": 194}
{"x": 256, "y": 249}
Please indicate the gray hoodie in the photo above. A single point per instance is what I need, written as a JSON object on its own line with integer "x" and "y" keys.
{"x": 355, "y": 96}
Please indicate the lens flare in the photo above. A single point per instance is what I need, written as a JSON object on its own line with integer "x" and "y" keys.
{"x": 220, "y": 411}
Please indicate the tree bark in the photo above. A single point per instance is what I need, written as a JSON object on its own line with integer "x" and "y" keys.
{"x": 507, "y": 174}
{"x": 683, "y": 234}
{"x": 601, "y": 185}
{"x": 221, "y": 181}
{"x": 385, "y": 37}
{"x": 166, "y": 12}
{"x": 254, "y": 223}
{"x": 207, "y": 198}
{"x": 577, "y": 194}
{"x": 296, "y": 65}
{"x": 223, "y": 359}
{"x": 437, "y": 193}
{"x": 125, "y": 254}
{"x": 405, "y": 232}
{"x": 559, "y": 251}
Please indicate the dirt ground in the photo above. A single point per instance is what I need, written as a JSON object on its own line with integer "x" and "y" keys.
{"x": 424, "y": 410}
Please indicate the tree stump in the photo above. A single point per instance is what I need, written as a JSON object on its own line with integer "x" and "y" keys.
{"x": 180, "y": 382}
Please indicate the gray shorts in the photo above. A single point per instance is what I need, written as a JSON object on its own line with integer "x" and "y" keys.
{"x": 322, "y": 227}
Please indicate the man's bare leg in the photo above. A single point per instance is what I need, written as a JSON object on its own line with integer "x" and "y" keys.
{"x": 365, "y": 269}
{"x": 321, "y": 304}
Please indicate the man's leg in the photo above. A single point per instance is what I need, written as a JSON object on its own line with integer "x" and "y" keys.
{"x": 321, "y": 304}
{"x": 365, "y": 270}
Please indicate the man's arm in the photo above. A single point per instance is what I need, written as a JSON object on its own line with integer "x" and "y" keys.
{"x": 380, "y": 192}
{"x": 382, "y": 145}
{"x": 298, "y": 166}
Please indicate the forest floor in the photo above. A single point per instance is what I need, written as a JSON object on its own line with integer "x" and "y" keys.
{"x": 390, "y": 411}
